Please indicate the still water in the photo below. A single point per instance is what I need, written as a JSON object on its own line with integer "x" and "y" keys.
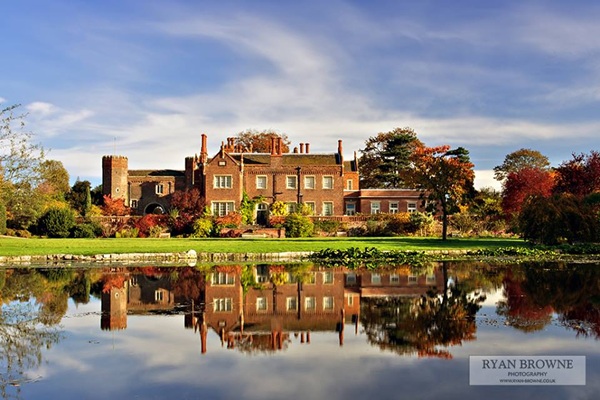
{"x": 291, "y": 332}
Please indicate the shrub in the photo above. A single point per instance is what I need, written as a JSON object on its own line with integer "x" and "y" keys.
{"x": 297, "y": 225}
{"x": 127, "y": 233}
{"x": 231, "y": 220}
{"x": 57, "y": 222}
{"x": 87, "y": 230}
{"x": 148, "y": 222}
{"x": 327, "y": 226}
{"x": 202, "y": 227}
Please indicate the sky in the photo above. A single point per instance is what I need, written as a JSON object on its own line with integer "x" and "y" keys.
{"x": 145, "y": 78}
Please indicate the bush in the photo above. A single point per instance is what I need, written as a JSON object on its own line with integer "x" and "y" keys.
{"x": 127, "y": 233}
{"x": 148, "y": 223}
{"x": 2, "y": 219}
{"x": 57, "y": 222}
{"x": 297, "y": 225}
{"x": 87, "y": 230}
{"x": 231, "y": 220}
{"x": 202, "y": 227}
{"x": 327, "y": 226}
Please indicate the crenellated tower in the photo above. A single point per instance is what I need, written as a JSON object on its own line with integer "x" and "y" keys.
{"x": 114, "y": 177}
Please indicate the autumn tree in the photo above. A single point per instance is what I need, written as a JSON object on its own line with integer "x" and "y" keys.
{"x": 114, "y": 207}
{"x": 521, "y": 159}
{"x": 186, "y": 207}
{"x": 446, "y": 178}
{"x": 579, "y": 176}
{"x": 260, "y": 141}
{"x": 386, "y": 159}
{"x": 523, "y": 184}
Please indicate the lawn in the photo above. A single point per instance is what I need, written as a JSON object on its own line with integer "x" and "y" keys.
{"x": 37, "y": 246}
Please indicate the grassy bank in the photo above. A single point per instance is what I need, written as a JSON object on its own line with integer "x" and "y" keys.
{"x": 34, "y": 246}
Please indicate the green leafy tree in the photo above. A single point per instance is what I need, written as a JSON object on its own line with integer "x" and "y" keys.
{"x": 517, "y": 160}
{"x": 57, "y": 222}
{"x": 80, "y": 197}
{"x": 446, "y": 178}
{"x": 54, "y": 179}
{"x": 2, "y": 219}
{"x": 386, "y": 158}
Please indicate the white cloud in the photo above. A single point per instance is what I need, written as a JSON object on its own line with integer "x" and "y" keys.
{"x": 40, "y": 107}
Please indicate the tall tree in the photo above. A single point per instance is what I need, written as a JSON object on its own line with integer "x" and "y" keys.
{"x": 386, "y": 158}
{"x": 517, "y": 160}
{"x": 260, "y": 141}
{"x": 80, "y": 197}
{"x": 446, "y": 178}
{"x": 20, "y": 161}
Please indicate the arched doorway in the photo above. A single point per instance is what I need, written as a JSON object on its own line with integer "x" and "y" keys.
{"x": 262, "y": 214}
{"x": 154, "y": 208}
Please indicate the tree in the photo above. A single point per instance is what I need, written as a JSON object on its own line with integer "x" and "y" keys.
{"x": 19, "y": 169}
{"x": 54, "y": 179}
{"x": 520, "y": 159}
{"x": 186, "y": 207}
{"x": 114, "y": 207}
{"x": 446, "y": 178}
{"x": 386, "y": 158}
{"x": 558, "y": 219}
{"x": 523, "y": 184}
{"x": 80, "y": 197}
{"x": 579, "y": 176}
{"x": 260, "y": 141}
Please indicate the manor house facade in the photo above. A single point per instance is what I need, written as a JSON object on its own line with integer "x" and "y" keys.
{"x": 325, "y": 182}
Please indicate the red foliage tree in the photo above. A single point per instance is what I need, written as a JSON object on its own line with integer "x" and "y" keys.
{"x": 114, "y": 207}
{"x": 521, "y": 185}
{"x": 190, "y": 206}
{"x": 579, "y": 176}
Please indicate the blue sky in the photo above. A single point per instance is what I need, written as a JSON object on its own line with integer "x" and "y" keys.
{"x": 145, "y": 79}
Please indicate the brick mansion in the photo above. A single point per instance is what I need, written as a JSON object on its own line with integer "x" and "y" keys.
{"x": 325, "y": 182}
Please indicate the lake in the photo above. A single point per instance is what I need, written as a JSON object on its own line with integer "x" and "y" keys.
{"x": 293, "y": 331}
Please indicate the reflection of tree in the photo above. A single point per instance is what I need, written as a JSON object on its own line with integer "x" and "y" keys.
{"x": 22, "y": 338}
{"x": 520, "y": 309}
{"x": 421, "y": 325}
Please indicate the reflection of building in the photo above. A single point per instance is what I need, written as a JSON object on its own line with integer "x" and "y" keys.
{"x": 281, "y": 305}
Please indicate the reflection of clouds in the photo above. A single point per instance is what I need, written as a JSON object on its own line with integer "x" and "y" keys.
{"x": 156, "y": 357}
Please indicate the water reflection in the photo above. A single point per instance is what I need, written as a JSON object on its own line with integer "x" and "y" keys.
{"x": 425, "y": 312}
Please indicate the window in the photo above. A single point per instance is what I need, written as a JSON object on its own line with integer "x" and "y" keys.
{"x": 350, "y": 208}
{"x": 412, "y": 279}
{"x": 222, "y": 181}
{"x": 328, "y": 208}
{"x": 261, "y": 182}
{"x": 411, "y": 207}
{"x": 309, "y": 182}
{"x": 312, "y": 278}
{"x": 290, "y": 207}
{"x": 290, "y": 182}
{"x": 158, "y": 295}
{"x": 328, "y": 303}
{"x": 159, "y": 188}
{"x": 134, "y": 203}
{"x": 328, "y": 277}
{"x": 223, "y": 278}
{"x": 395, "y": 279}
{"x": 310, "y": 303}
{"x": 350, "y": 300}
{"x": 311, "y": 205}
{"x": 261, "y": 304}
{"x": 291, "y": 303}
{"x": 394, "y": 208}
{"x": 222, "y": 304}
{"x": 328, "y": 182}
{"x": 221, "y": 208}
{"x": 375, "y": 207}
{"x": 351, "y": 278}
{"x": 375, "y": 279}
{"x": 349, "y": 184}
{"x": 430, "y": 279}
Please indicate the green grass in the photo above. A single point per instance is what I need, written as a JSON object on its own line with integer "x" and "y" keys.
{"x": 36, "y": 246}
